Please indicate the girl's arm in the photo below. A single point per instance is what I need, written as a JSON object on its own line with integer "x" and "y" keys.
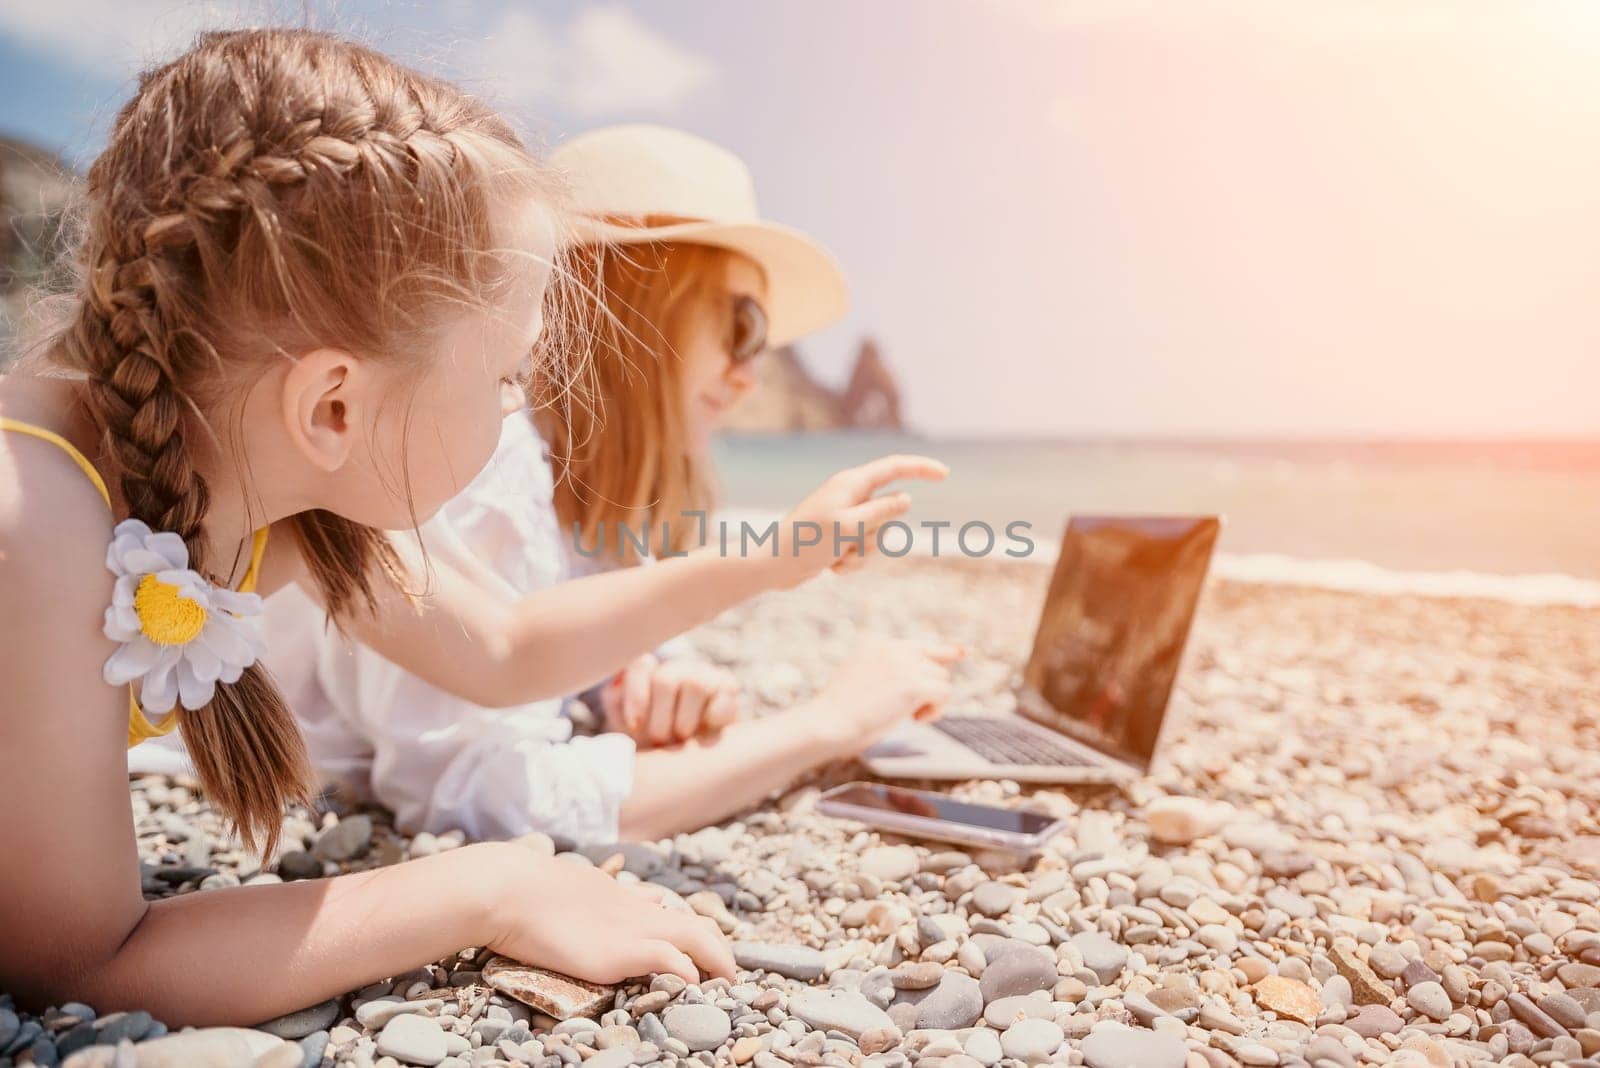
{"x": 76, "y": 924}
{"x": 711, "y": 777}
{"x": 294, "y": 944}
{"x": 563, "y": 639}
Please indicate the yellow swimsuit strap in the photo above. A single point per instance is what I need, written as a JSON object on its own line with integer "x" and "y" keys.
{"x": 139, "y": 728}
{"x": 65, "y": 446}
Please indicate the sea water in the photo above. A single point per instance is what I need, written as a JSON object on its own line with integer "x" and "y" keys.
{"x": 1511, "y": 520}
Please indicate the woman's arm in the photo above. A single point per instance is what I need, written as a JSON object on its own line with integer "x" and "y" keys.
{"x": 76, "y": 923}
{"x": 563, "y": 639}
{"x": 708, "y": 778}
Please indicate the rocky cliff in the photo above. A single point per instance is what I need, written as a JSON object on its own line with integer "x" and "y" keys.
{"x": 788, "y": 399}
{"x": 36, "y": 189}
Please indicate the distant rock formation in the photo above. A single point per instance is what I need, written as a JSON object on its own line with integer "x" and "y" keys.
{"x": 871, "y": 400}
{"x": 788, "y": 399}
{"x": 36, "y": 189}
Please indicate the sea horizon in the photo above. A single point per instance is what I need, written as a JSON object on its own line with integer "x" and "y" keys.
{"x": 1515, "y": 519}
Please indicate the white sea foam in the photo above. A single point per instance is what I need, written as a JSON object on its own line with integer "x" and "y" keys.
{"x": 1277, "y": 569}
{"x": 1361, "y": 576}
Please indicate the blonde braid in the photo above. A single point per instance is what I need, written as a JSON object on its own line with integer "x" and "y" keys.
{"x": 266, "y": 190}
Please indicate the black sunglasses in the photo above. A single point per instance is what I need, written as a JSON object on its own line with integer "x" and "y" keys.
{"x": 749, "y": 329}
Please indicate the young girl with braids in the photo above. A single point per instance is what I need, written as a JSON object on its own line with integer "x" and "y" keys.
{"x": 309, "y": 278}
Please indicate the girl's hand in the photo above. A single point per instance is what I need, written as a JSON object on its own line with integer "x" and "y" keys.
{"x": 839, "y": 522}
{"x": 660, "y": 703}
{"x": 575, "y": 919}
{"x": 882, "y": 687}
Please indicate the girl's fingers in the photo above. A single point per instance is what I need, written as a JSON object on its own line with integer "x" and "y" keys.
{"x": 702, "y": 940}
{"x": 611, "y": 709}
{"x": 636, "y": 694}
{"x": 935, "y": 696}
{"x": 651, "y": 892}
{"x": 691, "y": 708}
{"x": 870, "y": 477}
{"x": 850, "y": 561}
{"x": 724, "y": 709}
{"x": 663, "y": 708}
{"x": 873, "y": 513}
{"x": 944, "y": 652}
{"x": 658, "y": 956}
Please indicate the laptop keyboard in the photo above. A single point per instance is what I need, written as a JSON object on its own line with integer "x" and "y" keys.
{"x": 1001, "y": 741}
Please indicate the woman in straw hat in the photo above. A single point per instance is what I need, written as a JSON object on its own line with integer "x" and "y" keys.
{"x": 693, "y": 285}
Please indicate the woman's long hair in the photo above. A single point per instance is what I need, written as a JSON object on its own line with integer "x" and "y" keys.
{"x": 624, "y": 460}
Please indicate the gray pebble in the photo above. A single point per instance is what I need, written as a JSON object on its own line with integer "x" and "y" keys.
{"x": 1021, "y": 971}
{"x": 1417, "y": 972}
{"x": 26, "y": 1033}
{"x": 794, "y": 962}
{"x": 312, "y": 1047}
{"x": 983, "y": 1046}
{"x": 993, "y": 899}
{"x": 413, "y": 1039}
{"x": 44, "y": 1051}
{"x": 1387, "y": 960}
{"x": 297, "y": 1025}
{"x": 955, "y": 1003}
{"x": 1111, "y": 1045}
{"x": 1565, "y": 1010}
{"x": 611, "y": 1058}
{"x": 1032, "y": 1041}
{"x": 1100, "y": 954}
{"x": 344, "y": 840}
{"x": 839, "y": 1010}
{"x": 1430, "y": 1000}
{"x": 892, "y": 864}
{"x": 78, "y": 1038}
{"x": 1256, "y": 1054}
{"x": 700, "y": 1027}
{"x": 298, "y": 864}
{"x": 651, "y": 1029}
{"x": 1003, "y": 1012}
{"x": 130, "y": 1025}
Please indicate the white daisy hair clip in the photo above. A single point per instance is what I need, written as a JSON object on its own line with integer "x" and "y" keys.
{"x": 180, "y": 635}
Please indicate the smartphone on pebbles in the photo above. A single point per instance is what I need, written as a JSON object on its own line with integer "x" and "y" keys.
{"x": 923, "y": 814}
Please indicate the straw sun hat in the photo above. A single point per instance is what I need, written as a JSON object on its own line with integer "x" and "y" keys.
{"x": 633, "y": 184}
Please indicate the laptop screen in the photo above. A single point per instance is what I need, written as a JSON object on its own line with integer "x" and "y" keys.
{"x": 1113, "y": 629}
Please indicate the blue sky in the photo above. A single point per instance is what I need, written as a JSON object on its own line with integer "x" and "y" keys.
{"x": 1232, "y": 217}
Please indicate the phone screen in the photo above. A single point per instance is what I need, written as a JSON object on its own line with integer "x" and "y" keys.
{"x": 939, "y": 807}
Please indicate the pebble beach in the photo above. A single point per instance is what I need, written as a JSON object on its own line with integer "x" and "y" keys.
{"x": 1372, "y": 836}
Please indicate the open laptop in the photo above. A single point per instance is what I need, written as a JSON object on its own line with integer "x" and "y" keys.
{"x": 1105, "y": 656}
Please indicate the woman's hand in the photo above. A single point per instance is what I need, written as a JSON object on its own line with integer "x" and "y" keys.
{"x": 577, "y": 920}
{"x": 882, "y": 687}
{"x": 839, "y": 522}
{"x": 658, "y": 703}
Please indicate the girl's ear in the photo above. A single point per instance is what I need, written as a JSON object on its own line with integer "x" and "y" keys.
{"x": 320, "y": 398}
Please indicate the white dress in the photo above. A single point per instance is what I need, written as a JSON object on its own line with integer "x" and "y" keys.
{"x": 437, "y": 761}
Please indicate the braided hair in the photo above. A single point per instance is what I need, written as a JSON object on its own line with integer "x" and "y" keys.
{"x": 267, "y": 192}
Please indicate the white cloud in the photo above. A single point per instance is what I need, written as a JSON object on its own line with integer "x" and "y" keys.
{"x": 603, "y": 63}
{"x": 120, "y": 36}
